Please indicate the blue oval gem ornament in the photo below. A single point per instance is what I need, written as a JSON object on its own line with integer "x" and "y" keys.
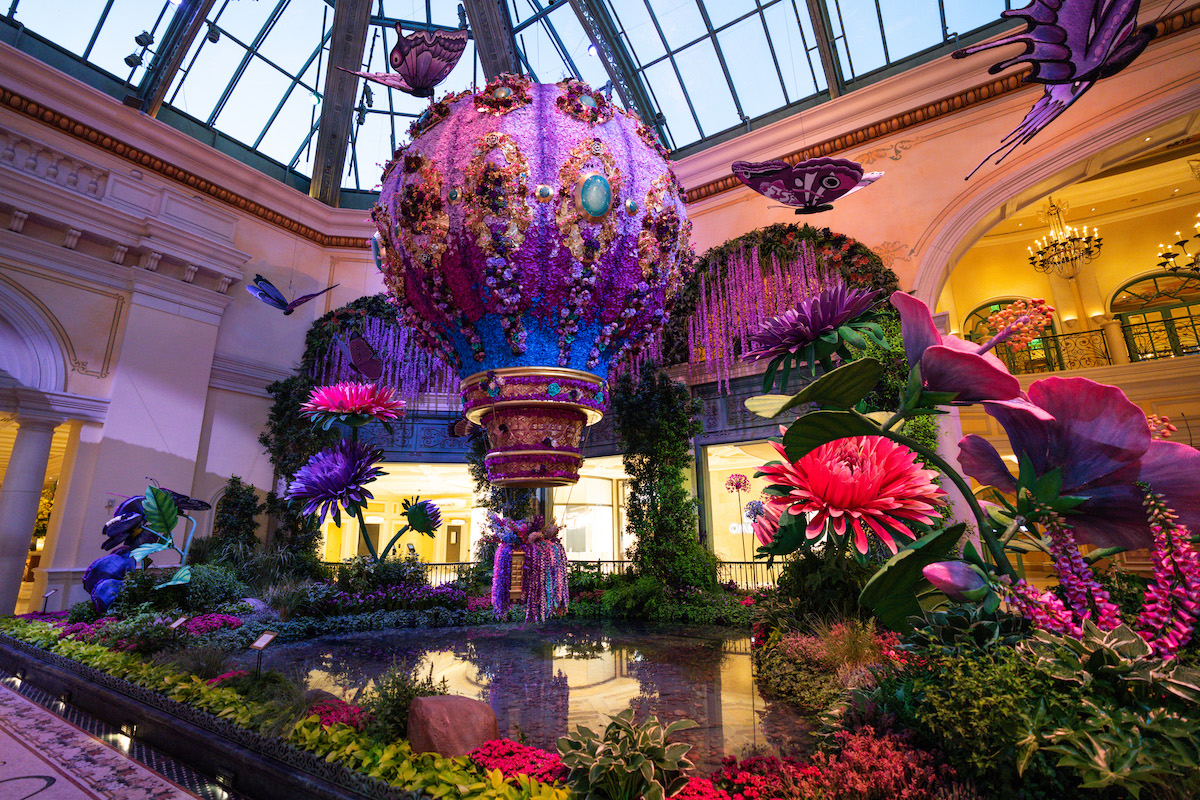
{"x": 453, "y": 195}
{"x": 501, "y": 93}
{"x": 631, "y": 206}
{"x": 587, "y": 101}
{"x": 543, "y": 193}
{"x": 593, "y": 196}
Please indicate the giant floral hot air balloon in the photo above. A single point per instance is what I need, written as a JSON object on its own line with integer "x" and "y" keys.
{"x": 532, "y": 235}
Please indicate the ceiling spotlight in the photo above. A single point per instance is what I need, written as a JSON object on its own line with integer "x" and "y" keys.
{"x": 368, "y": 95}
{"x": 592, "y": 50}
{"x": 133, "y": 60}
{"x": 213, "y": 34}
{"x": 316, "y": 99}
{"x": 144, "y": 39}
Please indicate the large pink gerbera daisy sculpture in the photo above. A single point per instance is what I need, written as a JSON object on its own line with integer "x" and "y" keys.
{"x": 851, "y": 490}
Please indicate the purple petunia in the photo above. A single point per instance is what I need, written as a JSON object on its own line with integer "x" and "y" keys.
{"x": 799, "y": 327}
{"x": 336, "y": 477}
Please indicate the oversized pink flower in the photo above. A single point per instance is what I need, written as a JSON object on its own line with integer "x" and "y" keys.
{"x": 353, "y": 402}
{"x": 949, "y": 364}
{"x": 1098, "y": 438}
{"x": 864, "y": 484}
{"x": 766, "y": 524}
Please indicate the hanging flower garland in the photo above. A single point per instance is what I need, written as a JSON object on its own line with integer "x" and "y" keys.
{"x": 761, "y": 274}
{"x": 544, "y": 575}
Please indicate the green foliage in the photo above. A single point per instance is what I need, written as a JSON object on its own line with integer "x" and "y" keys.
{"x": 138, "y": 595}
{"x": 290, "y": 441}
{"x": 363, "y": 574}
{"x": 203, "y": 661}
{"x": 785, "y": 676}
{"x": 821, "y": 585}
{"x": 965, "y": 627}
{"x": 656, "y": 420}
{"x": 234, "y": 518}
{"x": 392, "y": 697}
{"x": 210, "y": 588}
{"x": 635, "y": 599}
{"x": 973, "y": 708}
{"x": 628, "y": 761}
{"x": 893, "y": 592}
{"x": 83, "y": 611}
{"x": 45, "y": 505}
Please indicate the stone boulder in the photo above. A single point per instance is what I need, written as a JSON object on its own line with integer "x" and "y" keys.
{"x": 450, "y": 725}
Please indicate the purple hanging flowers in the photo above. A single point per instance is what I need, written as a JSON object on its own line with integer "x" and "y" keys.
{"x": 1172, "y": 602}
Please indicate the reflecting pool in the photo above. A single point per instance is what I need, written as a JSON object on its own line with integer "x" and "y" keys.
{"x": 544, "y": 680}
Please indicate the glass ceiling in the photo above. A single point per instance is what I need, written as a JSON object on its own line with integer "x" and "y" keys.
{"x": 251, "y": 81}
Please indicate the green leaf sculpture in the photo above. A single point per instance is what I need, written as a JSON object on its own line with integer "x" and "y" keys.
{"x": 839, "y": 388}
{"x": 892, "y": 591}
{"x": 813, "y": 430}
{"x": 160, "y": 511}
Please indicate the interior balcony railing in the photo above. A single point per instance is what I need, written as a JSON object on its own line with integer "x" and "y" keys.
{"x": 1144, "y": 341}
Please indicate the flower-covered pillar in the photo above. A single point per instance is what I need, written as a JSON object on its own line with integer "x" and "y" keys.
{"x": 532, "y": 235}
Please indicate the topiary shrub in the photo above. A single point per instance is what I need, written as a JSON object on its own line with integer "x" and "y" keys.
{"x": 234, "y": 518}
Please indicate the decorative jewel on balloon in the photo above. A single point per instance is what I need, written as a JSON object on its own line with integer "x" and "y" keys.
{"x": 1069, "y": 45}
{"x": 421, "y": 60}
{"x": 811, "y": 186}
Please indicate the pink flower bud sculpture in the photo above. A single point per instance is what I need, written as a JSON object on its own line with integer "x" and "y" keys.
{"x": 531, "y": 235}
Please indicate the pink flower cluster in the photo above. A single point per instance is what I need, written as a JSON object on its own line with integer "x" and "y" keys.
{"x": 1172, "y": 601}
{"x": 1086, "y": 597}
{"x": 1160, "y": 426}
{"x": 237, "y": 673}
{"x": 339, "y": 712}
{"x": 478, "y": 603}
{"x": 1043, "y": 609}
{"x": 208, "y": 623}
{"x": 875, "y": 765}
{"x": 747, "y": 600}
{"x": 1024, "y": 319}
{"x": 513, "y": 759}
{"x": 737, "y": 483}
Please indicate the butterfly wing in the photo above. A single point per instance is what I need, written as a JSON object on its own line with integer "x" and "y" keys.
{"x": 385, "y": 78}
{"x": 1053, "y": 102}
{"x": 362, "y": 357}
{"x": 304, "y": 298}
{"x": 265, "y": 291}
{"x": 424, "y": 58}
{"x": 810, "y": 186}
{"x": 765, "y": 177}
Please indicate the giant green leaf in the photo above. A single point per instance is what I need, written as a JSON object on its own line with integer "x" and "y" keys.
{"x": 892, "y": 591}
{"x": 161, "y": 513}
{"x": 791, "y": 536}
{"x": 181, "y": 576}
{"x": 842, "y": 388}
{"x": 141, "y": 551}
{"x": 813, "y": 430}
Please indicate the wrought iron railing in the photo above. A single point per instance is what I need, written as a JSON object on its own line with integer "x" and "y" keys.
{"x": 1165, "y": 338}
{"x": 1058, "y": 352}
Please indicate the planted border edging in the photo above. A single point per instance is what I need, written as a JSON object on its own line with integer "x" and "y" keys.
{"x": 263, "y": 767}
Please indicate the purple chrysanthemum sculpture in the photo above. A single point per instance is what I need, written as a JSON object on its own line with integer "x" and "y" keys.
{"x": 531, "y": 235}
{"x": 801, "y": 326}
{"x": 336, "y": 477}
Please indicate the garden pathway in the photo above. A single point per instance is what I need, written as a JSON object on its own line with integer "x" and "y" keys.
{"x": 45, "y": 757}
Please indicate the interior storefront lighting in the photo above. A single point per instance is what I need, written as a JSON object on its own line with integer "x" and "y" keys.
{"x": 1064, "y": 250}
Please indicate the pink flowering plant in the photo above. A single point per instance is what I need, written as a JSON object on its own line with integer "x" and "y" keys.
{"x": 1088, "y": 460}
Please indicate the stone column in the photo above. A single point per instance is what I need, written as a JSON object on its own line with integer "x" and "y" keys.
{"x": 1114, "y": 337}
{"x": 19, "y": 497}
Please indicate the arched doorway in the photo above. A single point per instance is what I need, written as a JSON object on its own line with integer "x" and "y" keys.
{"x": 1160, "y": 315}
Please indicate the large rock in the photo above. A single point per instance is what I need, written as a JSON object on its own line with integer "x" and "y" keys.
{"x": 450, "y": 725}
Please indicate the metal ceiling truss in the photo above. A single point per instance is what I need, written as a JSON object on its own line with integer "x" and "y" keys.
{"x": 493, "y": 33}
{"x": 622, "y": 71}
{"x": 185, "y": 26}
{"x": 351, "y": 19}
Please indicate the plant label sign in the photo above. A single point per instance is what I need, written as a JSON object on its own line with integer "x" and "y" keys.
{"x": 264, "y": 640}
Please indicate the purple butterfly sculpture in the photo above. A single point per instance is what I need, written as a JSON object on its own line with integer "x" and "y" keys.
{"x": 811, "y": 186}
{"x": 264, "y": 290}
{"x": 1070, "y": 44}
{"x": 421, "y": 60}
{"x": 361, "y": 356}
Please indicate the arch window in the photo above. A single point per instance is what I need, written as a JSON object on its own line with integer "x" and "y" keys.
{"x": 1040, "y": 355}
{"x": 1160, "y": 316}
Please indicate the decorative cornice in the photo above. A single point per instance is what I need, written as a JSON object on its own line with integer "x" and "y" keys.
{"x": 52, "y": 408}
{"x": 953, "y": 104}
{"x": 244, "y": 377}
{"x": 147, "y": 161}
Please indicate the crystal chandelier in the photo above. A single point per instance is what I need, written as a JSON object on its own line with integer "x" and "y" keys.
{"x": 1184, "y": 260}
{"x": 1064, "y": 250}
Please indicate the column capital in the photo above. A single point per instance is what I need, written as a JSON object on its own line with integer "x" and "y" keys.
{"x": 53, "y": 408}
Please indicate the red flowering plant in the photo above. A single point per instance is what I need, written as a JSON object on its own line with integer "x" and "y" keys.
{"x": 1087, "y": 458}
{"x": 513, "y": 759}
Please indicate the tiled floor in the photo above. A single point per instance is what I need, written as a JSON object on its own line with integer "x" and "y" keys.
{"x": 85, "y": 757}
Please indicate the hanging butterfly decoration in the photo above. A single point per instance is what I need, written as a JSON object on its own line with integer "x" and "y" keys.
{"x": 360, "y": 355}
{"x": 811, "y": 186}
{"x": 421, "y": 60}
{"x": 264, "y": 290}
{"x": 1069, "y": 44}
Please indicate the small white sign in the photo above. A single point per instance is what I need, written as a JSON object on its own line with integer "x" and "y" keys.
{"x": 263, "y": 640}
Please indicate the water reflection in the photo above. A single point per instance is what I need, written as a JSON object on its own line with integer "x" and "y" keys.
{"x": 544, "y": 680}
